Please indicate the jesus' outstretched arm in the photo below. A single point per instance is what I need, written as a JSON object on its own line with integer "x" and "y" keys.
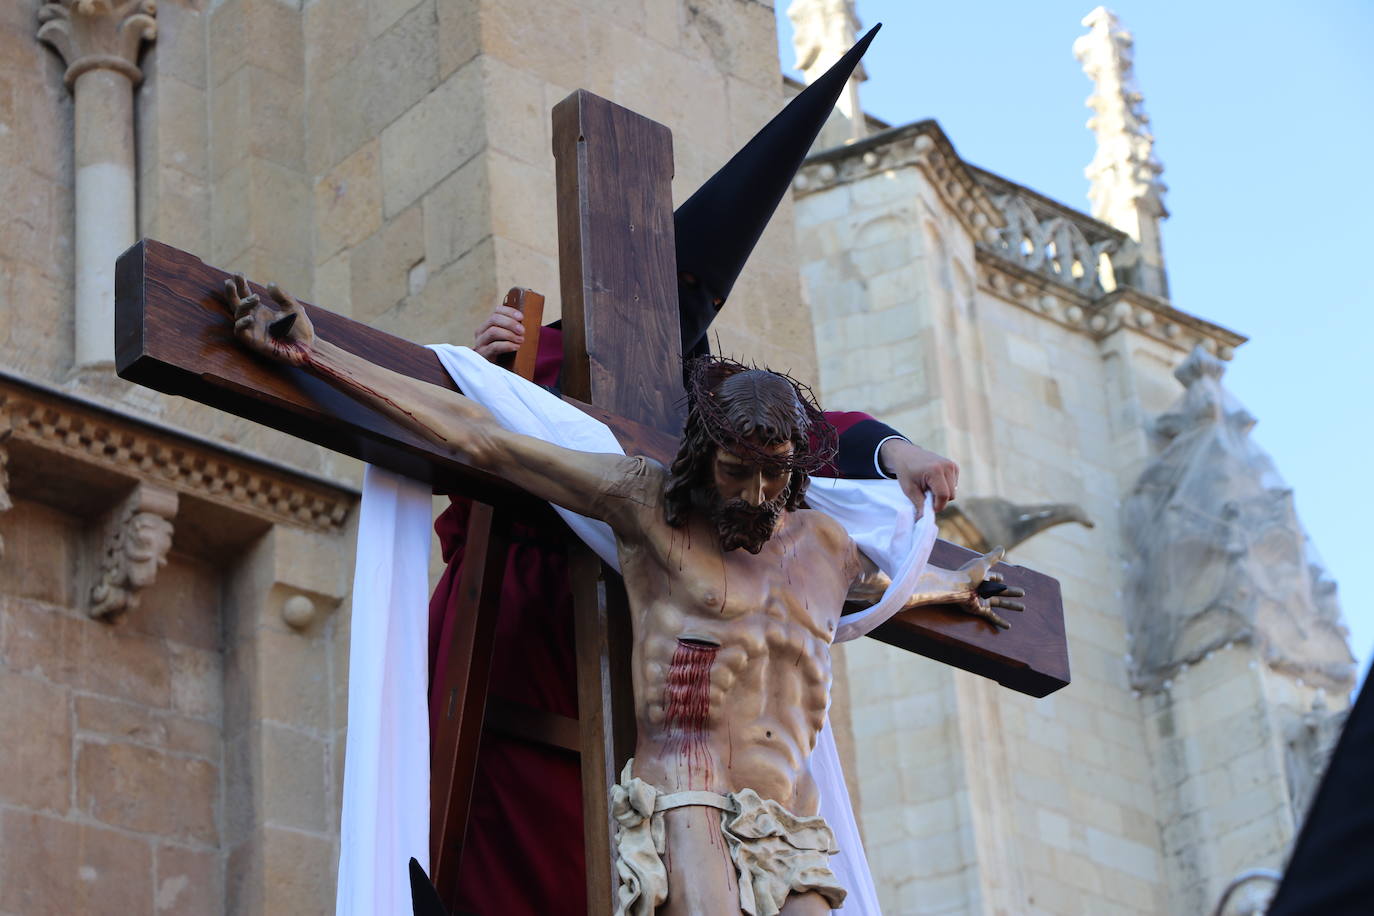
{"x": 596, "y": 485}
{"x": 973, "y": 587}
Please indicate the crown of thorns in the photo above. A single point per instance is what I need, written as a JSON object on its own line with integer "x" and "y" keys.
{"x": 819, "y": 440}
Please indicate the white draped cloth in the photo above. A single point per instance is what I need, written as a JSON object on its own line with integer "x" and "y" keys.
{"x": 385, "y": 818}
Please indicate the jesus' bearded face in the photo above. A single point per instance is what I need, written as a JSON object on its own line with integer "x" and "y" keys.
{"x": 749, "y": 442}
{"x": 746, "y": 498}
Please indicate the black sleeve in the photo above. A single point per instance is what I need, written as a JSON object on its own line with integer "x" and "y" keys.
{"x": 856, "y": 457}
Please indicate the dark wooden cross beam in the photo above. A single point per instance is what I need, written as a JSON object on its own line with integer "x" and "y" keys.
{"x": 620, "y": 365}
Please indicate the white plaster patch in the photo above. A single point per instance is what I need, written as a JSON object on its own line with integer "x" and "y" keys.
{"x": 87, "y": 873}
{"x": 169, "y": 890}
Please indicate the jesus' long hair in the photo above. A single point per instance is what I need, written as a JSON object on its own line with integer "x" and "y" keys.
{"x": 742, "y": 409}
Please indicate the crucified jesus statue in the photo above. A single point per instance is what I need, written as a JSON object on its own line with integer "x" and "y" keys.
{"x": 735, "y": 590}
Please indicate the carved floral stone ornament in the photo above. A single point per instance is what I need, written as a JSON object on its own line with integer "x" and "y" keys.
{"x": 95, "y": 34}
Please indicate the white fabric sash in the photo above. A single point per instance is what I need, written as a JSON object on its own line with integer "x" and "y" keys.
{"x": 383, "y": 827}
{"x": 385, "y": 817}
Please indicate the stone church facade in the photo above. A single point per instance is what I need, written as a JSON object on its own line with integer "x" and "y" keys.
{"x": 174, "y": 582}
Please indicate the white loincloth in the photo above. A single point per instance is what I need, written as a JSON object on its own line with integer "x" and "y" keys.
{"x": 775, "y": 853}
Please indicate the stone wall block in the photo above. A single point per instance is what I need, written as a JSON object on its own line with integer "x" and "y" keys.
{"x": 244, "y": 891}
{"x": 182, "y": 605}
{"x": 348, "y": 202}
{"x": 196, "y": 681}
{"x": 181, "y": 45}
{"x": 695, "y": 116}
{"x": 274, "y": 121}
{"x": 231, "y": 224}
{"x": 243, "y": 801}
{"x": 663, "y": 22}
{"x": 241, "y": 695}
{"x": 516, "y": 189}
{"x": 186, "y": 881}
{"x": 257, "y": 34}
{"x": 459, "y": 36}
{"x": 273, "y": 39}
{"x": 605, "y": 39}
{"x": 441, "y": 132}
{"x": 32, "y": 208}
{"x": 1123, "y": 855}
{"x": 333, "y": 287}
{"x": 40, "y": 640}
{"x": 452, "y": 302}
{"x": 1261, "y": 842}
{"x": 306, "y": 561}
{"x": 225, "y": 58}
{"x": 457, "y": 214}
{"x": 399, "y": 68}
{"x": 42, "y": 133}
{"x": 172, "y": 128}
{"x": 294, "y": 779}
{"x": 123, "y": 665}
{"x": 381, "y": 265}
{"x": 298, "y": 873}
{"x": 509, "y": 30}
{"x": 282, "y": 203}
{"x": 54, "y": 866}
{"x": 195, "y": 737}
{"x": 148, "y": 791}
{"x": 294, "y": 678}
{"x": 292, "y": 270}
{"x": 523, "y": 127}
{"x": 334, "y": 35}
{"x": 738, "y": 39}
{"x": 130, "y": 722}
{"x": 35, "y": 763}
{"x": 383, "y": 14}
{"x": 177, "y": 207}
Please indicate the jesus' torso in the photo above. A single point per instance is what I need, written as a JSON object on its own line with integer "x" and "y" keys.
{"x": 731, "y": 662}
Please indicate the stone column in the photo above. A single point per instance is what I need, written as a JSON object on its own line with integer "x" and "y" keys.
{"x": 822, "y": 31}
{"x": 99, "y": 40}
{"x": 1126, "y": 191}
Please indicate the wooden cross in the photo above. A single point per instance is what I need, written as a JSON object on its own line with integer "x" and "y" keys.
{"x": 621, "y": 365}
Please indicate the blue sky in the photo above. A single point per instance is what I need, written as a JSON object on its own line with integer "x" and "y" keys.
{"x": 1263, "y": 118}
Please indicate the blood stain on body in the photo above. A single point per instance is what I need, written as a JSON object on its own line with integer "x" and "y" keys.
{"x": 688, "y": 707}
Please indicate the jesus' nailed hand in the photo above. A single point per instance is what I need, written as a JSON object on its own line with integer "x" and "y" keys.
{"x": 731, "y": 662}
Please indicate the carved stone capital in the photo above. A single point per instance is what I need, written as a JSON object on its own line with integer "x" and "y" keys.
{"x": 135, "y": 537}
{"x": 96, "y": 34}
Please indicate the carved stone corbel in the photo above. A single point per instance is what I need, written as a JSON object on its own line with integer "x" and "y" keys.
{"x": 134, "y": 539}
